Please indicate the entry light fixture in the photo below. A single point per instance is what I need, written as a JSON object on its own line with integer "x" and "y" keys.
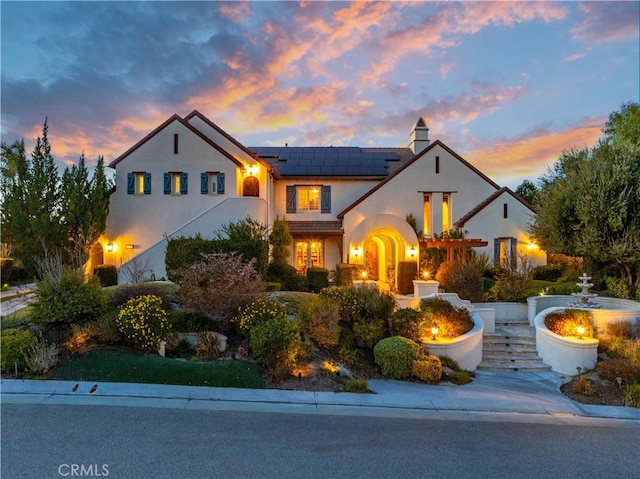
{"x": 356, "y": 252}
{"x": 412, "y": 251}
{"x": 110, "y": 247}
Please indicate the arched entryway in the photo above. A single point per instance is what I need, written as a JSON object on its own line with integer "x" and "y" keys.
{"x": 379, "y": 243}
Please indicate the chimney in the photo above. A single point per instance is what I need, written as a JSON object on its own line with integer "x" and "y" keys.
{"x": 419, "y": 136}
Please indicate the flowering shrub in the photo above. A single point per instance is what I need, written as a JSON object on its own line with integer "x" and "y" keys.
{"x": 348, "y": 298}
{"x": 143, "y": 322}
{"x": 566, "y": 322}
{"x": 275, "y": 342}
{"x": 258, "y": 312}
{"x": 320, "y": 317}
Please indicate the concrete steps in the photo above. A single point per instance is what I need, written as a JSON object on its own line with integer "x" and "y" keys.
{"x": 511, "y": 348}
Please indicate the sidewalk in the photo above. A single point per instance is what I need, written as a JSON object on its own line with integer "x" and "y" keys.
{"x": 522, "y": 394}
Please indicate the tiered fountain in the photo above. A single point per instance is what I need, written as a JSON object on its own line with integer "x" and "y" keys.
{"x": 584, "y": 299}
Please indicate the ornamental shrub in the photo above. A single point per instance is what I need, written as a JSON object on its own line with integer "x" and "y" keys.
{"x": 428, "y": 369}
{"x": 461, "y": 278}
{"x": 618, "y": 288}
{"x": 547, "y": 272}
{"x": 459, "y": 377}
{"x": 15, "y": 345}
{"x": 143, "y": 322}
{"x": 188, "y": 321}
{"x": 565, "y": 322}
{"x": 345, "y": 273}
{"x": 450, "y": 321}
{"x": 274, "y": 342}
{"x": 395, "y": 356}
{"x": 407, "y": 322}
{"x": 354, "y": 385}
{"x": 320, "y": 316}
{"x": 631, "y": 395}
{"x": 348, "y": 299}
{"x": 583, "y": 386}
{"x": 626, "y": 369}
{"x": 123, "y": 293}
{"x": 369, "y": 331}
{"x": 258, "y": 312}
{"x": 69, "y": 300}
{"x": 218, "y": 286}
{"x": 318, "y": 278}
{"x": 107, "y": 274}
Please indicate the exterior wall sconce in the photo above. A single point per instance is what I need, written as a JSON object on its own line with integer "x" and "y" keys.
{"x": 110, "y": 247}
{"x": 434, "y": 331}
{"x": 250, "y": 170}
{"x": 412, "y": 252}
{"x": 356, "y": 252}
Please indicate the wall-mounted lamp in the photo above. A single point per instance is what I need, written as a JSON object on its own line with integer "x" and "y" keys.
{"x": 356, "y": 252}
{"x": 110, "y": 247}
{"x": 434, "y": 331}
{"x": 250, "y": 170}
{"x": 412, "y": 252}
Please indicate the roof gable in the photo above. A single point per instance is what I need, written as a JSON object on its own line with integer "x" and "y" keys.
{"x": 461, "y": 222}
{"x": 213, "y": 126}
{"x": 389, "y": 178}
{"x": 164, "y": 125}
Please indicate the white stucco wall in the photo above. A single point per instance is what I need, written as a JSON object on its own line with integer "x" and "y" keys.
{"x": 144, "y": 220}
{"x": 490, "y": 223}
{"x": 403, "y": 194}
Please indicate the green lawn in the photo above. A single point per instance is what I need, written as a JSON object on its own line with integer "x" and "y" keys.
{"x": 114, "y": 365}
{"x": 15, "y": 319}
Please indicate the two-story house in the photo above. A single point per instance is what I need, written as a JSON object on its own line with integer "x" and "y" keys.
{"x": 342, "y": 204}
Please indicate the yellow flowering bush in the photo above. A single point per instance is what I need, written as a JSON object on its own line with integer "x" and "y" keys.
{"x": 143, "y": 322}
{"x": 258, "y": 312}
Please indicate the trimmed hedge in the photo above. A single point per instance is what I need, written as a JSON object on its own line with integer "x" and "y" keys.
{"x": 186, "y": 251}
{"x": 107, "y": 274}
{"x": 318, "y": 279}
{"x": 345, "y": 273}
{"x": 395, "y": 356}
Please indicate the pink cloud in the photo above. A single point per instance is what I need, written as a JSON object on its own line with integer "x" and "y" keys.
{"x": 608, "y": 22}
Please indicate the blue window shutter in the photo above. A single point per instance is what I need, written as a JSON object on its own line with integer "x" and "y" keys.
{"x": 167, "y": 183}
{"x": 147, "y": 183}
{"x": 291, "y": 199}
{"x": 184, "y": 183}
{"x": 496, "y": 251}
{"x": 220, "y": 177}
{"x": 131, "y": 183}
{"x": 325, "y": 199}
{"x": 204, "y": 183}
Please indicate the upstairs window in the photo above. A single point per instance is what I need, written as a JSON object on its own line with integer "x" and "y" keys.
{"x": 139, "y": 183}
{"x": 446, "y": 212}
{"x": 308, "y": 198}
{"x": 426, "y": 214}
{"x": 176, "y": 183}
{"x": 212, "y": 183}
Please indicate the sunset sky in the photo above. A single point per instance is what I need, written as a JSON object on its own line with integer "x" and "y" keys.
{"x": 507, "y": 85}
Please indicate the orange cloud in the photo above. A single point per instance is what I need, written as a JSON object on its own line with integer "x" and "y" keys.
{"x": 529, "y": 156}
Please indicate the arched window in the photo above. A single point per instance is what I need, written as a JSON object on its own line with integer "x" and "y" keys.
{"x": 251, "y": 186}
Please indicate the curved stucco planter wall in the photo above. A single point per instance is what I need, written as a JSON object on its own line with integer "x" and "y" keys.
{"x": 564, "y": 354}
{"x": 465, "y": 349}
{"x": 612, "y": 309}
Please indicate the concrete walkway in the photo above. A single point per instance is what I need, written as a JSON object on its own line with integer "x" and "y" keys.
{"x": 513, "y": 396}
{"x": 15, "y": 298}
